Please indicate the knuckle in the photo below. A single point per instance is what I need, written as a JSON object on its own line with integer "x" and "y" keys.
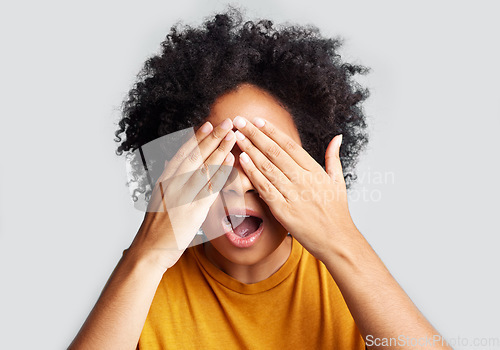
{"x": 267, "y": 166}
{"x": 180, "y": 155}
{"x": 247, "y": 148}
{"x": 221, "y": 148}
{"x": 266, "y": 188}
{"x": 217, "y": 134}
{"x": 252, "y": 132}
{"x": 290, "y": 146}
{"x": 296, "y": 177}
{"x": 251, "y": 172}
{"x": 271, "y": 130}
{"x": 194, "y": 156}
{"x": 274, "y": 151}
{"x": 203, "y": 169}
{"x": 210, "y": 186}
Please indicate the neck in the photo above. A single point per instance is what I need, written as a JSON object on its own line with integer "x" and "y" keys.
{"x": 251, "y": 273}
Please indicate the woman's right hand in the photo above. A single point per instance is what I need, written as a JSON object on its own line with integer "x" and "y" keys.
{"x": 184, "y": 193}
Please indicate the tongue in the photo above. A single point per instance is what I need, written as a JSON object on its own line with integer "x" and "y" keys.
{"x": 247, "y": 226}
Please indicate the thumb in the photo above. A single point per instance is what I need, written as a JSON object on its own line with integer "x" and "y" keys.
{"x": 333, "y": 166}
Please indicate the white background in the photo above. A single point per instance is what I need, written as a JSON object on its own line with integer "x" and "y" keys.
{"x": 66, "y": 215}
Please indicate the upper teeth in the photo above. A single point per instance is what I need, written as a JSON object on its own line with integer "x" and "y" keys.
{"x": 235, "y": 221}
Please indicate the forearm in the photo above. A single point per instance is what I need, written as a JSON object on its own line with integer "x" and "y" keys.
{"x": 118, "y": 317}
{"x": 380, "y": 307}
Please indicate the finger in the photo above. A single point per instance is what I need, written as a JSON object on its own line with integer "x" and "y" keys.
{"x": 198, "y": 155}
{"x": 207, "y": 195}
{"x": 260, "y": 133}
{"x": 181, "y": 154}
{"x": 267, "y": 191}
{"x": 208, "y": 168}
{"x": 265, "y": 165}
{"x": 333, "y": 166}
{"x": 268, "y": 147}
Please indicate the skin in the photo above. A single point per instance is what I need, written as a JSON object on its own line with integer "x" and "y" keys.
{"x": 278, "y": 178}
{"x": 288, "y": 198}
{"x": 269, "y": 253}
{"x": 286, "y": 177}
{"x": 180, "y": 203}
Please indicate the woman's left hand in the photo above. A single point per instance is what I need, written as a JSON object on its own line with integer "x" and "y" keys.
{"x": 308, "y": 201}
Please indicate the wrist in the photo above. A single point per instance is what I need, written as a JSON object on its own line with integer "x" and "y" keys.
{"x": 337, "y": 240}
{"x": 348, "y": 252}
{"x": 155, "y": 246}
{"x": 152, "y": 259}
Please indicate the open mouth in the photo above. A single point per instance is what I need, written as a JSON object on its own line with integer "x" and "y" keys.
{"x": 243, "y": 225}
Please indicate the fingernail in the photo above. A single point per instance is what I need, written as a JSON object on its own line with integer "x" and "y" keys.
{"x": 226, "y": 124}
{"x": 239, "y": 135}
{"x": 340, "y": 141}
{"x": 244, "y": 157}
{"x": 239, "y": 122}
{"x": 229, "y": 158}
{"x": 259, "y": 122}
{"x": 206, "y": 128}
{"x": 229, "y": 136}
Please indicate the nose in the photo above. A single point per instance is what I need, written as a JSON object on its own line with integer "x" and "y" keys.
{"x": 238, "y": 182}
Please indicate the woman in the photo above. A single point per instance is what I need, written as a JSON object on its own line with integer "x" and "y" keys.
{"x": 283, "y": 264}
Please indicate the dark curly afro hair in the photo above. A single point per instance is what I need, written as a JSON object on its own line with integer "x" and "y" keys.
{"x": 296, "y": 64}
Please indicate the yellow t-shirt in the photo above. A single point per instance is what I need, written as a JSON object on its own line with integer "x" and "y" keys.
{"x": 197, "y": 306}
